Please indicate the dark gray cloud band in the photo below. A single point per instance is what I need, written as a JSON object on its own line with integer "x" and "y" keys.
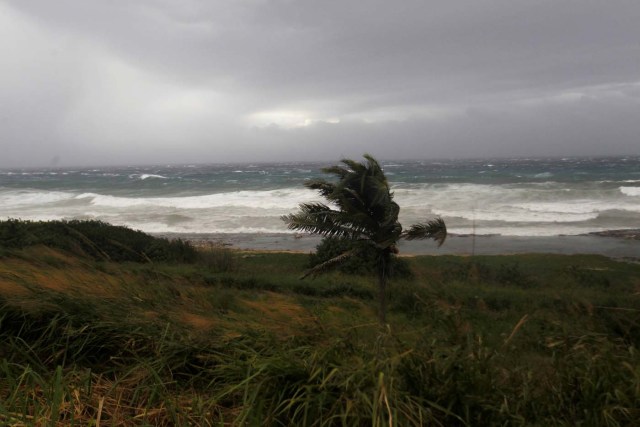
{"x": 94, "y": 82}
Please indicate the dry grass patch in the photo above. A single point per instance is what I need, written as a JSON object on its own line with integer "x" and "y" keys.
{"x": 11, "y": 288}
{"x": 197, "y": 321}
{"x": 58, "y": 273}
{"x": 280, "y": 313}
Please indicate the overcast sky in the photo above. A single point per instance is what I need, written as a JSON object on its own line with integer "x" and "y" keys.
{"x": 95, "y": 82}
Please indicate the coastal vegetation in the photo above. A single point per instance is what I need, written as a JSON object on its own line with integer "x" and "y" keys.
{"x": 235, "y": 338}
{"x": 94, "y": 239}
{"x": 365, "y": 215}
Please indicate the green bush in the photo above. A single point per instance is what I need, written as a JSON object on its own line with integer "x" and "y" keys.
{"x": 363, "y": 264}
{"x": 96, "y": 240}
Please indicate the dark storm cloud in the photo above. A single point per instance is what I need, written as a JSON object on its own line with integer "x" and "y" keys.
{"x": 171, "y": 81}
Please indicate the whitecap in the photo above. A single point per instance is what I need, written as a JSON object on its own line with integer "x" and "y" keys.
{"x": 25, "y": 198}
{"x": 543, "y": 175}
{"x": 143, "y": 176}
{"x": 160, "y": 227}
{"x": 630, "y": 191}
{"x": 267, "y": 199}
{"x": 517, "y": 216}
{"x": 150, "y": 175}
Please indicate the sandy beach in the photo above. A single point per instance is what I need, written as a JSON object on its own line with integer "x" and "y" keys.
{"x": 615, "y": 243}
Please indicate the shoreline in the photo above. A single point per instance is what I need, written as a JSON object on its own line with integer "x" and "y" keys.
{"x": 623, "y": 244}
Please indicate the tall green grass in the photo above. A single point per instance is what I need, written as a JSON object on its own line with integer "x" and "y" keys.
{"x": 153, "y": 375}
{"x": 521, "y": 340}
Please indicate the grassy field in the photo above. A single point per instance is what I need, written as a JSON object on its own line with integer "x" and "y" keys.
{"x": 235, "y": 338}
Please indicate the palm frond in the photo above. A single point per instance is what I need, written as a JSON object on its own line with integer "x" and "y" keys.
{"x": 318, "y": 218}
{"x": 371, "y": 160}
{"x": 355, "y": 168}
{"x": 392, "y": 210}
{"x": 329, "y": 264}
{"x": 434, "y": 229}
{"x": 351, "y": 200}
{"x": 337, "y": 170}
{"x": 388, "y": 235}
{"x": 379, "y": 193}
{"x": 324, "y": 187}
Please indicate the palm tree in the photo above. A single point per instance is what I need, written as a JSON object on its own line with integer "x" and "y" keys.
{"x": 363, "y": 211}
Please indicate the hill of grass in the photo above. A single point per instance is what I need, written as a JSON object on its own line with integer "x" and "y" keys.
{"x": 234, "y": 338}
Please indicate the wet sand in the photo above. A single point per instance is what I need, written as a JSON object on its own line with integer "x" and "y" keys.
{"x": 615, "y": 244}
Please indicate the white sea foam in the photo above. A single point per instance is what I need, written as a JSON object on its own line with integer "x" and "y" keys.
{"x": 24, "y": 198}
{"x": 528, "y": 216}
{"x": 158, "y": 227}
{"x": 511, "y": 204}
{"x": 539, "y": 208}
{"x": 516, "y": 216}
{"x": 524, "y": 230}
{"x": 543, "y": 175}
{"x": 36, "y": 217}
{"x": 630, "y": 191}
{"x": 144, "y": 176}
{"x": 269, "y": 199}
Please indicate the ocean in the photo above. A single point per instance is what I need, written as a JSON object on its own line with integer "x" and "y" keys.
{"x": 507, "y": 197}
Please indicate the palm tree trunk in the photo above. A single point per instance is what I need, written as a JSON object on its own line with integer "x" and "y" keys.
{"x": 382, "y": 287}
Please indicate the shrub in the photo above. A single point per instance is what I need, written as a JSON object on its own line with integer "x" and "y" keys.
{"x": 364, "y": 264}
{"x": 95, "y": 239}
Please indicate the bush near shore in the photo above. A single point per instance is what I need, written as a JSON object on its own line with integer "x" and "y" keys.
{"x": 233, "y": 338}
{"x": 94, "y": 239}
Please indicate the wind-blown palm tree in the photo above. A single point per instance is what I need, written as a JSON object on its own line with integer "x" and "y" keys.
{"x": 363, "y": 211}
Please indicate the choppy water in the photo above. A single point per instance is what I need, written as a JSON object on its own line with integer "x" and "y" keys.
{"x": 521, "y": 197}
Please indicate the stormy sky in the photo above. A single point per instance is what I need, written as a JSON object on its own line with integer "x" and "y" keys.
{"x": 96, "y": 82}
